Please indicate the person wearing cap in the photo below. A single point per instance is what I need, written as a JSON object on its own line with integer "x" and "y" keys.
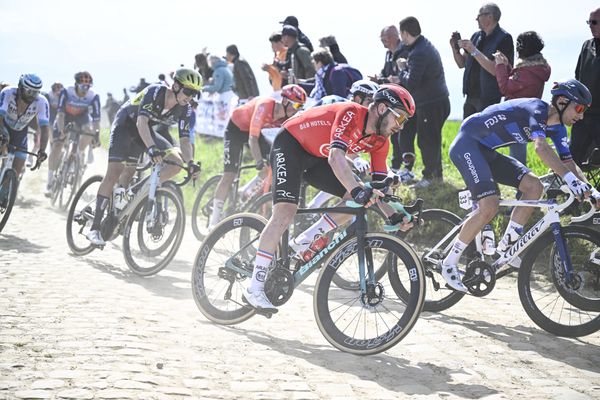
{"x": 275, "y": 68}
{"x": 302, "y": 38}
{"x": 298, "y": 60}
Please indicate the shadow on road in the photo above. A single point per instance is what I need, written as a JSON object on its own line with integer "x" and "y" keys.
{"x": 22, "y": 245}
{"x": 395, "y": 374}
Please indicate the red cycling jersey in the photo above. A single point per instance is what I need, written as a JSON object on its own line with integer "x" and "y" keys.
{"x": 339, "y": 125}
{"x": 255, "y": 115}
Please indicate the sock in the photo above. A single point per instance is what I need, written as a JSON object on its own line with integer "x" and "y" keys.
{"x": 321, "y": 227}
{"x": 50, "y": 177}
{"x": 319, "y": 200}
{"x": 215, "y": 217}
{"x": 261, "y": 267}
{"x": 455, "y": 252}
{"x": 101, "y": 204}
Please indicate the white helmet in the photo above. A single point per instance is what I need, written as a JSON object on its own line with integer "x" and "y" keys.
{"x": 364, "y": 86}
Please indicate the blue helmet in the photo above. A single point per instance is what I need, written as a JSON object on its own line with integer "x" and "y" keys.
{"x": 573, "y": 90}
{"x": 30, "y": 81}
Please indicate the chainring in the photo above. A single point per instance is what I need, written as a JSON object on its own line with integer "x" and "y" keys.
{"x": 279, "y": 286}
{"x": 480, "y": 278}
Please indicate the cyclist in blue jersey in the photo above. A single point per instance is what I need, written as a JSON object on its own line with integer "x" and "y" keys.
{"x": 474, "y": 153}
{"x": 19, "y": 106}
{"x": 77, "y": 104}
{"x": 134, "y": 131}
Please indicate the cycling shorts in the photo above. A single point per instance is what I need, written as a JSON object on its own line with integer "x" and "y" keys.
{"x": 19, "y": 139}
{"x": 481, "y": 167}
{"x": 78, "y": 121}
{"x": 291, "y": 163}
{"x": 127, "y": 145}
{"x": 233, "y": 142}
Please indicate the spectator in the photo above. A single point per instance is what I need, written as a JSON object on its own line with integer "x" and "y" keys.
{"x": 302, "y": 38}
{"x": 162, "y": 79}
{"x": 111, "y": 107}
{"x": 222, "y": 78}
{"x": 125, "y": 96}
{"x": 201, "y": 65}
{"x": 422, "y": 73}
{"x": 298, "y": 64}
{"x": 479, "y": 80}
{"x": 278, "y": 64}
{"x": 390, "y": 38}
{"x": 332, "y": 78}
{"x": 244, "y": 81}
{"x": 140, "y": 86}
{"x": 526, "y": 79}
{"x": 587, "y": 131}
{"x": 331, "y": 44}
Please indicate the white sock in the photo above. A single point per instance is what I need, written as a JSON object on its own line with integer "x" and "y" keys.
{"x": 455, "y": 252}
{"x": 319, "y": 200}
{"x": 261, "y": 268}
{"x": 50, "y": 177}
{"x": 215, "y": 217}
{"x": 321, "y": 227}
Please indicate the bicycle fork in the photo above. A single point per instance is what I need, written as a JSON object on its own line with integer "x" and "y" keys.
{"x": 565, "y": 257}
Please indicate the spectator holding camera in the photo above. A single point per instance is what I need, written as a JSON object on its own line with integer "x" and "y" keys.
{"x": 475, "y": 55}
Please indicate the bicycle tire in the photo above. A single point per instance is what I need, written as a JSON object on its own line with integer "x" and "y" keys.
{"x": 70, "y": 185}
{"x": 135, "y": 256}
{"x": 10, "y": 184}
{"x": 75, "y": 216}
{"x": 336, "y": 309}
{"x": 57, "y": 181}
{"x": 202, "y": 208}
{"x": 211, "y": 281}
{"x": 436, "y": 223}
{"x": 547, "y": 301}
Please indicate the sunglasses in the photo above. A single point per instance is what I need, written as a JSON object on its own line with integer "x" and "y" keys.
{"x": 399, "y": 118}
{"x": 580, "y": 108}
{"x": 189, "y": 92}
{"x": 296, "y": 106}
{"x": 30, "y": 93}
{"x": 592, "y": 22}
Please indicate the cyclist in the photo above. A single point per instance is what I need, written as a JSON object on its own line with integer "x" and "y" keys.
{"x": 473, "y": 153}
{"x": 132, "y": 133}
{"x": 313, "y": 146}
{"x": 19, "y": 106}
{"x": 74, "y": 106}
{"x": 245, "y": 127}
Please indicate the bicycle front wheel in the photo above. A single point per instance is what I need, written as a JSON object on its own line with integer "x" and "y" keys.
{"x": 556, "y": 304}
{"x": 81, "y": 216}
{"x": 202, "y": 209}
{"x": 217, "y": 288}
{"x": 8, "y": 194}
{"x": 163, "y": 224}
{"x": 371, "y": 322}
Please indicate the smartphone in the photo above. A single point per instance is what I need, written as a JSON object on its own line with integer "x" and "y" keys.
{"x": 455, "y": 39}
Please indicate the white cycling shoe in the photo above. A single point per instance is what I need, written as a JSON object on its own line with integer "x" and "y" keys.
{"x": 259, "y": 300}
{"x": 454, "y": 277}
{"x": 95, "y": 238}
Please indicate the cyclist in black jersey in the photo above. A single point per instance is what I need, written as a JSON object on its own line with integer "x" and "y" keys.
{"x": 132, "y": 133}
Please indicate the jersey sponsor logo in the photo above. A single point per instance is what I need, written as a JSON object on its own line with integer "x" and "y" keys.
{"x": 471, "y": 167}
{"x": 324, "y": 149}
{"x": 346, "y": 119}
{"x": 284, "y": 194}
{"x": 494, "y": 120}
{"x": 280, "y": 168}
{"x": 312, "y": 124}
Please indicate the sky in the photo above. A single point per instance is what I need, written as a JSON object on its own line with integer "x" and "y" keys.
{"x": 120, "y": 41}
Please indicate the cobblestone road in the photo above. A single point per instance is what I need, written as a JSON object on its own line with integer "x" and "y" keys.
{"x": 87, "y": 328}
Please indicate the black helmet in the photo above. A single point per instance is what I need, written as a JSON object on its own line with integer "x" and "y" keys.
{"x": 573, "y": 90}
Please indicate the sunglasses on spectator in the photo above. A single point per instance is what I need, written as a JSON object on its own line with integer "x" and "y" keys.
{"x": 592, "y": 22}
{"x": 399, "y": 118}
{"x": 189, "y": 92}
{"x": 580, "y": 108}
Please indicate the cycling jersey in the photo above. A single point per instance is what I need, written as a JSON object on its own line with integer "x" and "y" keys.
{"x": 53, "y": 102}
{"x": 342, "y": 126}
{"x": 78, "y": 108}
{"x": 255, "y": 115}
{"x": 150, "y": 102}
{"x": 15, "y": 122}
{"x": 558, "y": 134}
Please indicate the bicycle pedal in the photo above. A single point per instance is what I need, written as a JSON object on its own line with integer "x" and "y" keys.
{"x": 264, "y": 313}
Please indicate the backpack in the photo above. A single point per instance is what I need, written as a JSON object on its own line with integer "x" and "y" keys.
{"x": 351, "y": 73}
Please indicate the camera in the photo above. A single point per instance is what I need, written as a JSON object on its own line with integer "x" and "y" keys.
{"x": 455, "y": 39}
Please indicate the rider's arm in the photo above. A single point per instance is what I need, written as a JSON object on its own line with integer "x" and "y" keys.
{"x": 186, "y": 149}
{"x": 339, "y": 165}
{"x": 549, "y": 157}
{"x": 43, "y": 121}
{"x": 144, "y": 131}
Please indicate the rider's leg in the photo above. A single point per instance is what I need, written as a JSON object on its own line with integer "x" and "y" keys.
{"x": 223, "y": 187}
{"x": 56, "y": 146}
{"x": 105, "y": 191}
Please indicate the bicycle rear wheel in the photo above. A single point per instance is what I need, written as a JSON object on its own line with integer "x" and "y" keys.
{"x": 560, "y": 307}
{"x": 8, "y": 194}
{"x": 164, "y": 218}
{"x": 202, "y": 209}
{"x": 217, "y": 289}
{"x": 81, "y": 216}
{"x": 375, "y": 321}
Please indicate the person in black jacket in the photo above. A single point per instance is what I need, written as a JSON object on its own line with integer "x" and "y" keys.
{"x": 331, "y": 44}
{"x": 302, "y": 38}
{"x": 422, "y": 74}
{"x": 587, "y": 131}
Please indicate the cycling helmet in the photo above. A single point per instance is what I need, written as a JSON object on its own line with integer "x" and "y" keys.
{"x": 573, "y": 90}
{"x": 189, "y": 78}
{"x": 294, "y": 93}
{"x": 365, "y": 87}
{"x": 84, "y": 78}
{"x": 395, "y": 96}
{"x": 29, "y": 87}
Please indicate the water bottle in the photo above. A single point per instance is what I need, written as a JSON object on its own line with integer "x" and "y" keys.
{"x": 488, "y": 241}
